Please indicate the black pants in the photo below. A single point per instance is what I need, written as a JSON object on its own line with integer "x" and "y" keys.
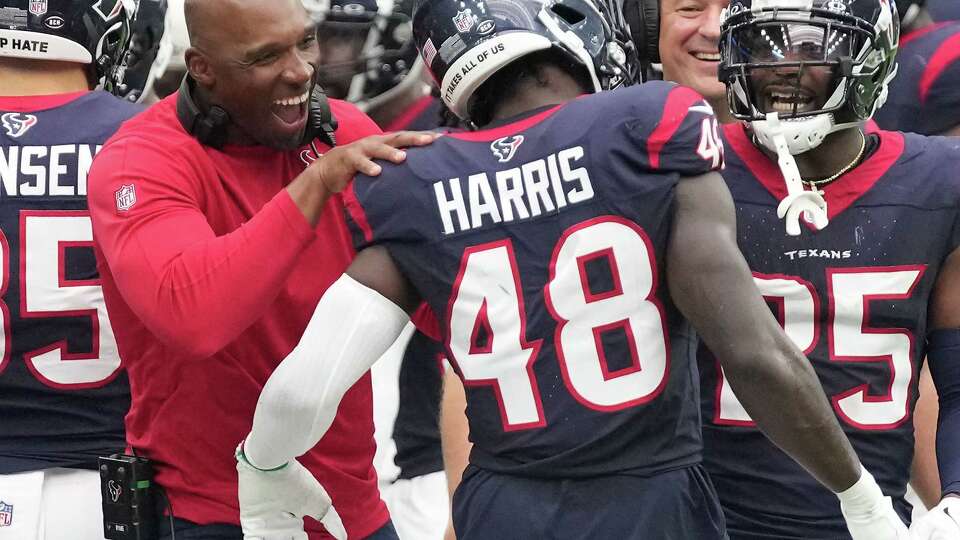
{"x": 673, "y": 505}
{"x": 188, "y": 530}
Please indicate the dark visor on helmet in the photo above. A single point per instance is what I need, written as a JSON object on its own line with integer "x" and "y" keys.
{"x": 784, "y": 43}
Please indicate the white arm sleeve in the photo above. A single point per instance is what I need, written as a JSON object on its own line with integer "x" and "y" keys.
{"x": 351, "y": 328}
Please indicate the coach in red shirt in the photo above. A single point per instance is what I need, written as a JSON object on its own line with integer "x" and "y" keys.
{"x": 216, "y": 237}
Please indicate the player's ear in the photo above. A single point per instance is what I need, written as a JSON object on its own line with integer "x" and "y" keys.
{"x": 199, "y": 67}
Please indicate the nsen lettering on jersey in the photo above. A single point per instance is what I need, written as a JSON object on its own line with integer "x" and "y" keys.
{"x": 37, "y": 171}
{"x": 540, "y": 186}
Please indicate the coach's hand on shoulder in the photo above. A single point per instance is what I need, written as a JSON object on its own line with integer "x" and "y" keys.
{"x": 273, "y": 502}
{"x": 339, "y": 165}
{"x": 942, "y": 522}
{"x": 869, "y": 514}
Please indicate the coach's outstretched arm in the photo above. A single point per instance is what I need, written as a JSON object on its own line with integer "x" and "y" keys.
{"x": 711, "y": 284}
{"x": 354, "y": 324}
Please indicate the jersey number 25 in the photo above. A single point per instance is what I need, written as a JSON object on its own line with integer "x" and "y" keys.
{"x": 849, "y": 339}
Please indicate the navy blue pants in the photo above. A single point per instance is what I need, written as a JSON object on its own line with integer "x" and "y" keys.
{"x": 674, "y": 505}
{"x": 187, "y": 530}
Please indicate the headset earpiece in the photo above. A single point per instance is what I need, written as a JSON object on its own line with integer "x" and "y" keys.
{"x": 321, "y": 124}
{"x": 209, "y": 128}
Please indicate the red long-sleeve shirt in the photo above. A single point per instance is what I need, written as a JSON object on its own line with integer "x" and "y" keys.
{"x": 210, "y": 274}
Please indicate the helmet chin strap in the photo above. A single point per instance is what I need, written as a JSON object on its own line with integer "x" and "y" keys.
{"x": 798, "y": 202}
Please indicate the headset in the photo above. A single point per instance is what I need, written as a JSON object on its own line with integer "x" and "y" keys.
{"x": 210, "y": 128}
{"x": 643, "y": 16}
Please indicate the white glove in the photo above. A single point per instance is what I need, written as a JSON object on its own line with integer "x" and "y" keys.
{"x": 869, "y": 514}
{"x": 942, "y": 522}
{"x": 273, "y": 502}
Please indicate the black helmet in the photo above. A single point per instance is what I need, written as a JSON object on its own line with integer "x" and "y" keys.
{"x": 380, "y": 32}
{"x": 92, "y": 32}
{"x": 856, "y": 40}
{"x": 464, "y": 42}
{"x": 149, "y": 52}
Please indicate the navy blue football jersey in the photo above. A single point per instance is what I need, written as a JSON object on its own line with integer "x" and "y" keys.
{"x": 925, "y": 95}
{"x": 62, "y": 392}
{"x": 854, "y": 298}
{"x": 539, "y": 244}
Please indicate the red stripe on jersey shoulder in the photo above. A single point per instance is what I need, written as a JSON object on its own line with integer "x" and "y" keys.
{"x": 907, "y": 38}
{"x": 948, "y": 53}
{"x": 357, "y": 214}
{"x": 679, "y": 101}
{"x": 840, "y": 194}
{"x": 506, "y": 130}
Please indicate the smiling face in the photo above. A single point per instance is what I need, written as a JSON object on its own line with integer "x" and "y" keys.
{"x": 791, "y": 68}
{"x": 689, "y": 38}
{"x": 261, "y": 67}
{"x": 792, "y": 91}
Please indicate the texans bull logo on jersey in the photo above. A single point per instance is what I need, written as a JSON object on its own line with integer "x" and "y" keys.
{"x": 16, "y": 124}
{"x": 505, "y": 147}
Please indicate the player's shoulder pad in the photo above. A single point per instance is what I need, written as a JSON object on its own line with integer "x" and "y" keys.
{"x": 94, "y": 115}
{"x": 383, "y": 207}
{"x": 657, "y": 105}
{"x": 113, "y": 103}
{"x": 936, "y": 158}
{"x": 643, "y": 108}
{"x": 676, "y": 127}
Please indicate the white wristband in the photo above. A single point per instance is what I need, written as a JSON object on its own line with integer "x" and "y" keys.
{"x": 863, "y": 496}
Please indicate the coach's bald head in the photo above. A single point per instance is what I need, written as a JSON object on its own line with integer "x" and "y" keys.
{"x": 249, "y": 57}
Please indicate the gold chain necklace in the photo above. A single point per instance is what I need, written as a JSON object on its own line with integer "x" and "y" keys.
{"x": 813, "y": 184}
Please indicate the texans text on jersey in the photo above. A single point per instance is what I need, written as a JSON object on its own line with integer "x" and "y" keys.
{"x": 541, "y": 186}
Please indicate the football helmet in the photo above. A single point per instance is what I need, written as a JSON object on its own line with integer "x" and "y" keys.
{"x": 92, "y": 32}
{"x": 149, "y": 51}
{"x": 366, "y": 46}
{"x": 821, "y": 65}
{"x": 170, "y": 67}
{"x": 464, "y": 43}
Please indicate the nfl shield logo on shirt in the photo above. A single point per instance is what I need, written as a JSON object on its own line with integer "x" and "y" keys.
{"x": 6, "y": 514}
{"x": 38, "y": 7}
{"x": 126, "y": 197}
